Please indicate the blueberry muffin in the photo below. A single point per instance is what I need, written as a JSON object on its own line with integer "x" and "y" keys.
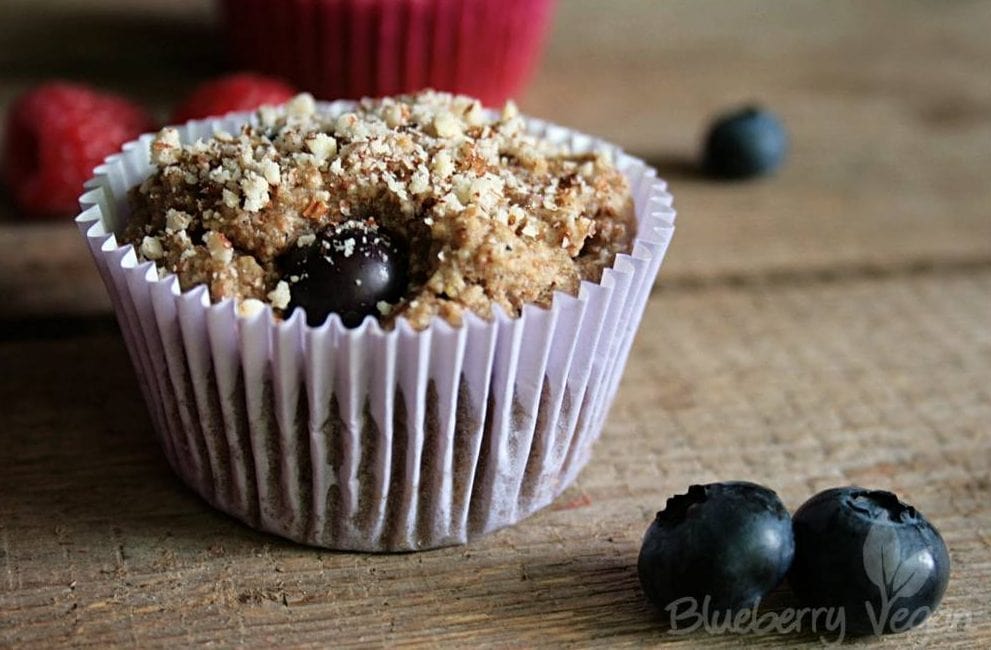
{"x": 471, "y": 280}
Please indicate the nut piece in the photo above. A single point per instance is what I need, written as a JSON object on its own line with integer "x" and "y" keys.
{"x": 219, "y": 247}
{"x": 166, "y": 147}
{"x": 446, "y": 125}
{"x": 280, "y": 296}
{"x": 250, "y": 307}
{"x": 322, "y": 146}
{"x": 301, "y": 107}
{"x": 255, "y": 190}
{"x": 151, "y": 248}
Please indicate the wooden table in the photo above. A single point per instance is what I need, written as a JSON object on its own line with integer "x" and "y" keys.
{"x": 828, "y": 326}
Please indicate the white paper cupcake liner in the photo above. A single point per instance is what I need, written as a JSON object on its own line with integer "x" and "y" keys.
{"x": 366, "y": 439}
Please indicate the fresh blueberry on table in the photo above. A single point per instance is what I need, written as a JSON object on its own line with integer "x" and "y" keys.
{"x": 746, "y": 143}
{"x": 350, "y": 270}
{"x": 730, "y": 543}
{"x": 871, "y": 554}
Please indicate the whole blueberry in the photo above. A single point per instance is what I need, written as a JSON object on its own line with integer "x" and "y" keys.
{"x": 744, "y": 144}
{"x": 720, "y": 547}
{"x": 349, "y": 270}
{"x": 869, "y": 553}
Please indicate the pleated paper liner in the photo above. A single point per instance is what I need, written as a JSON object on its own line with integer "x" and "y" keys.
{"x": 367, "y": 439}
{"x": 357, "y": 48}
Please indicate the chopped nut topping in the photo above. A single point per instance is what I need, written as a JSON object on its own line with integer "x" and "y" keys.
{"x": 250, "y": 307}
{"x": 446, "y": 125}
{"x": 255, "y": 190}
{"x": 280, "y": 296}
{"x": 151, "y": 248}
{"x": 219, "y": 247}
{"x": 322, "y": 146}
{"x": 491, "y": 214}
{"x": 270, "y": 171}
{"x": 176, "y": 220}
{"x": 301, "y": 107}
{"x": 165, "y": 149}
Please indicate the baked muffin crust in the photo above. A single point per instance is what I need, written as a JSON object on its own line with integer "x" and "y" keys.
{"x": 491, "y": 214}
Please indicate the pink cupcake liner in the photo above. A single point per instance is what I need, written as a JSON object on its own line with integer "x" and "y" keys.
{"x": 367, "y": 439}
{"x": 359, "y": 48}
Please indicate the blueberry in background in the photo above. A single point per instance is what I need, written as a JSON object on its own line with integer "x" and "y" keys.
{"x": 746, "y": 143}
{"x": 728, "y": 542}
{"x": 866, "y": 551}
{"x": 348, "y": 270}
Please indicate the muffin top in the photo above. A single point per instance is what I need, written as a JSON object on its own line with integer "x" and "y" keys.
{"x": 414, "y": 206}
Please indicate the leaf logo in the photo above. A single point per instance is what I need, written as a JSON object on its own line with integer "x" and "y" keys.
{"x": 894, "y": 577}
{"x": 881, "y": 551}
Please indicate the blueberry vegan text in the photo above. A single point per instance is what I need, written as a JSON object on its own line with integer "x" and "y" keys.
{"x": 860, "y": 561}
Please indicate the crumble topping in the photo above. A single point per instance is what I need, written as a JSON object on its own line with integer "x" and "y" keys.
{"x": 491, "y": 215}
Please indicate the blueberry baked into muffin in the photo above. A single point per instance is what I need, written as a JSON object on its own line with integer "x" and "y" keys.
{"x": 498, "y": 267}
{"x": 409, "y": 207}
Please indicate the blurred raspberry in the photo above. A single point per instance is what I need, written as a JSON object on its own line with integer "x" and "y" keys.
{"x": 237, "y": 92}
{"x": 55, "y": 135}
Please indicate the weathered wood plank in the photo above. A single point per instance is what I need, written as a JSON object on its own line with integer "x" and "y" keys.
{"x": 880, "y": 382}
{"x": 827, "y": 326}
{"x": 888, "y": 105}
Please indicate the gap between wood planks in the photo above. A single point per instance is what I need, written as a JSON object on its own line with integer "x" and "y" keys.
{"x": 814, "y": 276}
{"x": 56, "y": 327}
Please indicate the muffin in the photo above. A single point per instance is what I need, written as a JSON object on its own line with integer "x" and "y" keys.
{"x": 386, "y": 325}
{"x": 359, "y": 48}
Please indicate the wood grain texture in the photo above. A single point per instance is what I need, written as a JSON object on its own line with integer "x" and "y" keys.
{"x": 882, "y": 383}
{"x": 827, "y": 326}
{"x": 887, "y": 103}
